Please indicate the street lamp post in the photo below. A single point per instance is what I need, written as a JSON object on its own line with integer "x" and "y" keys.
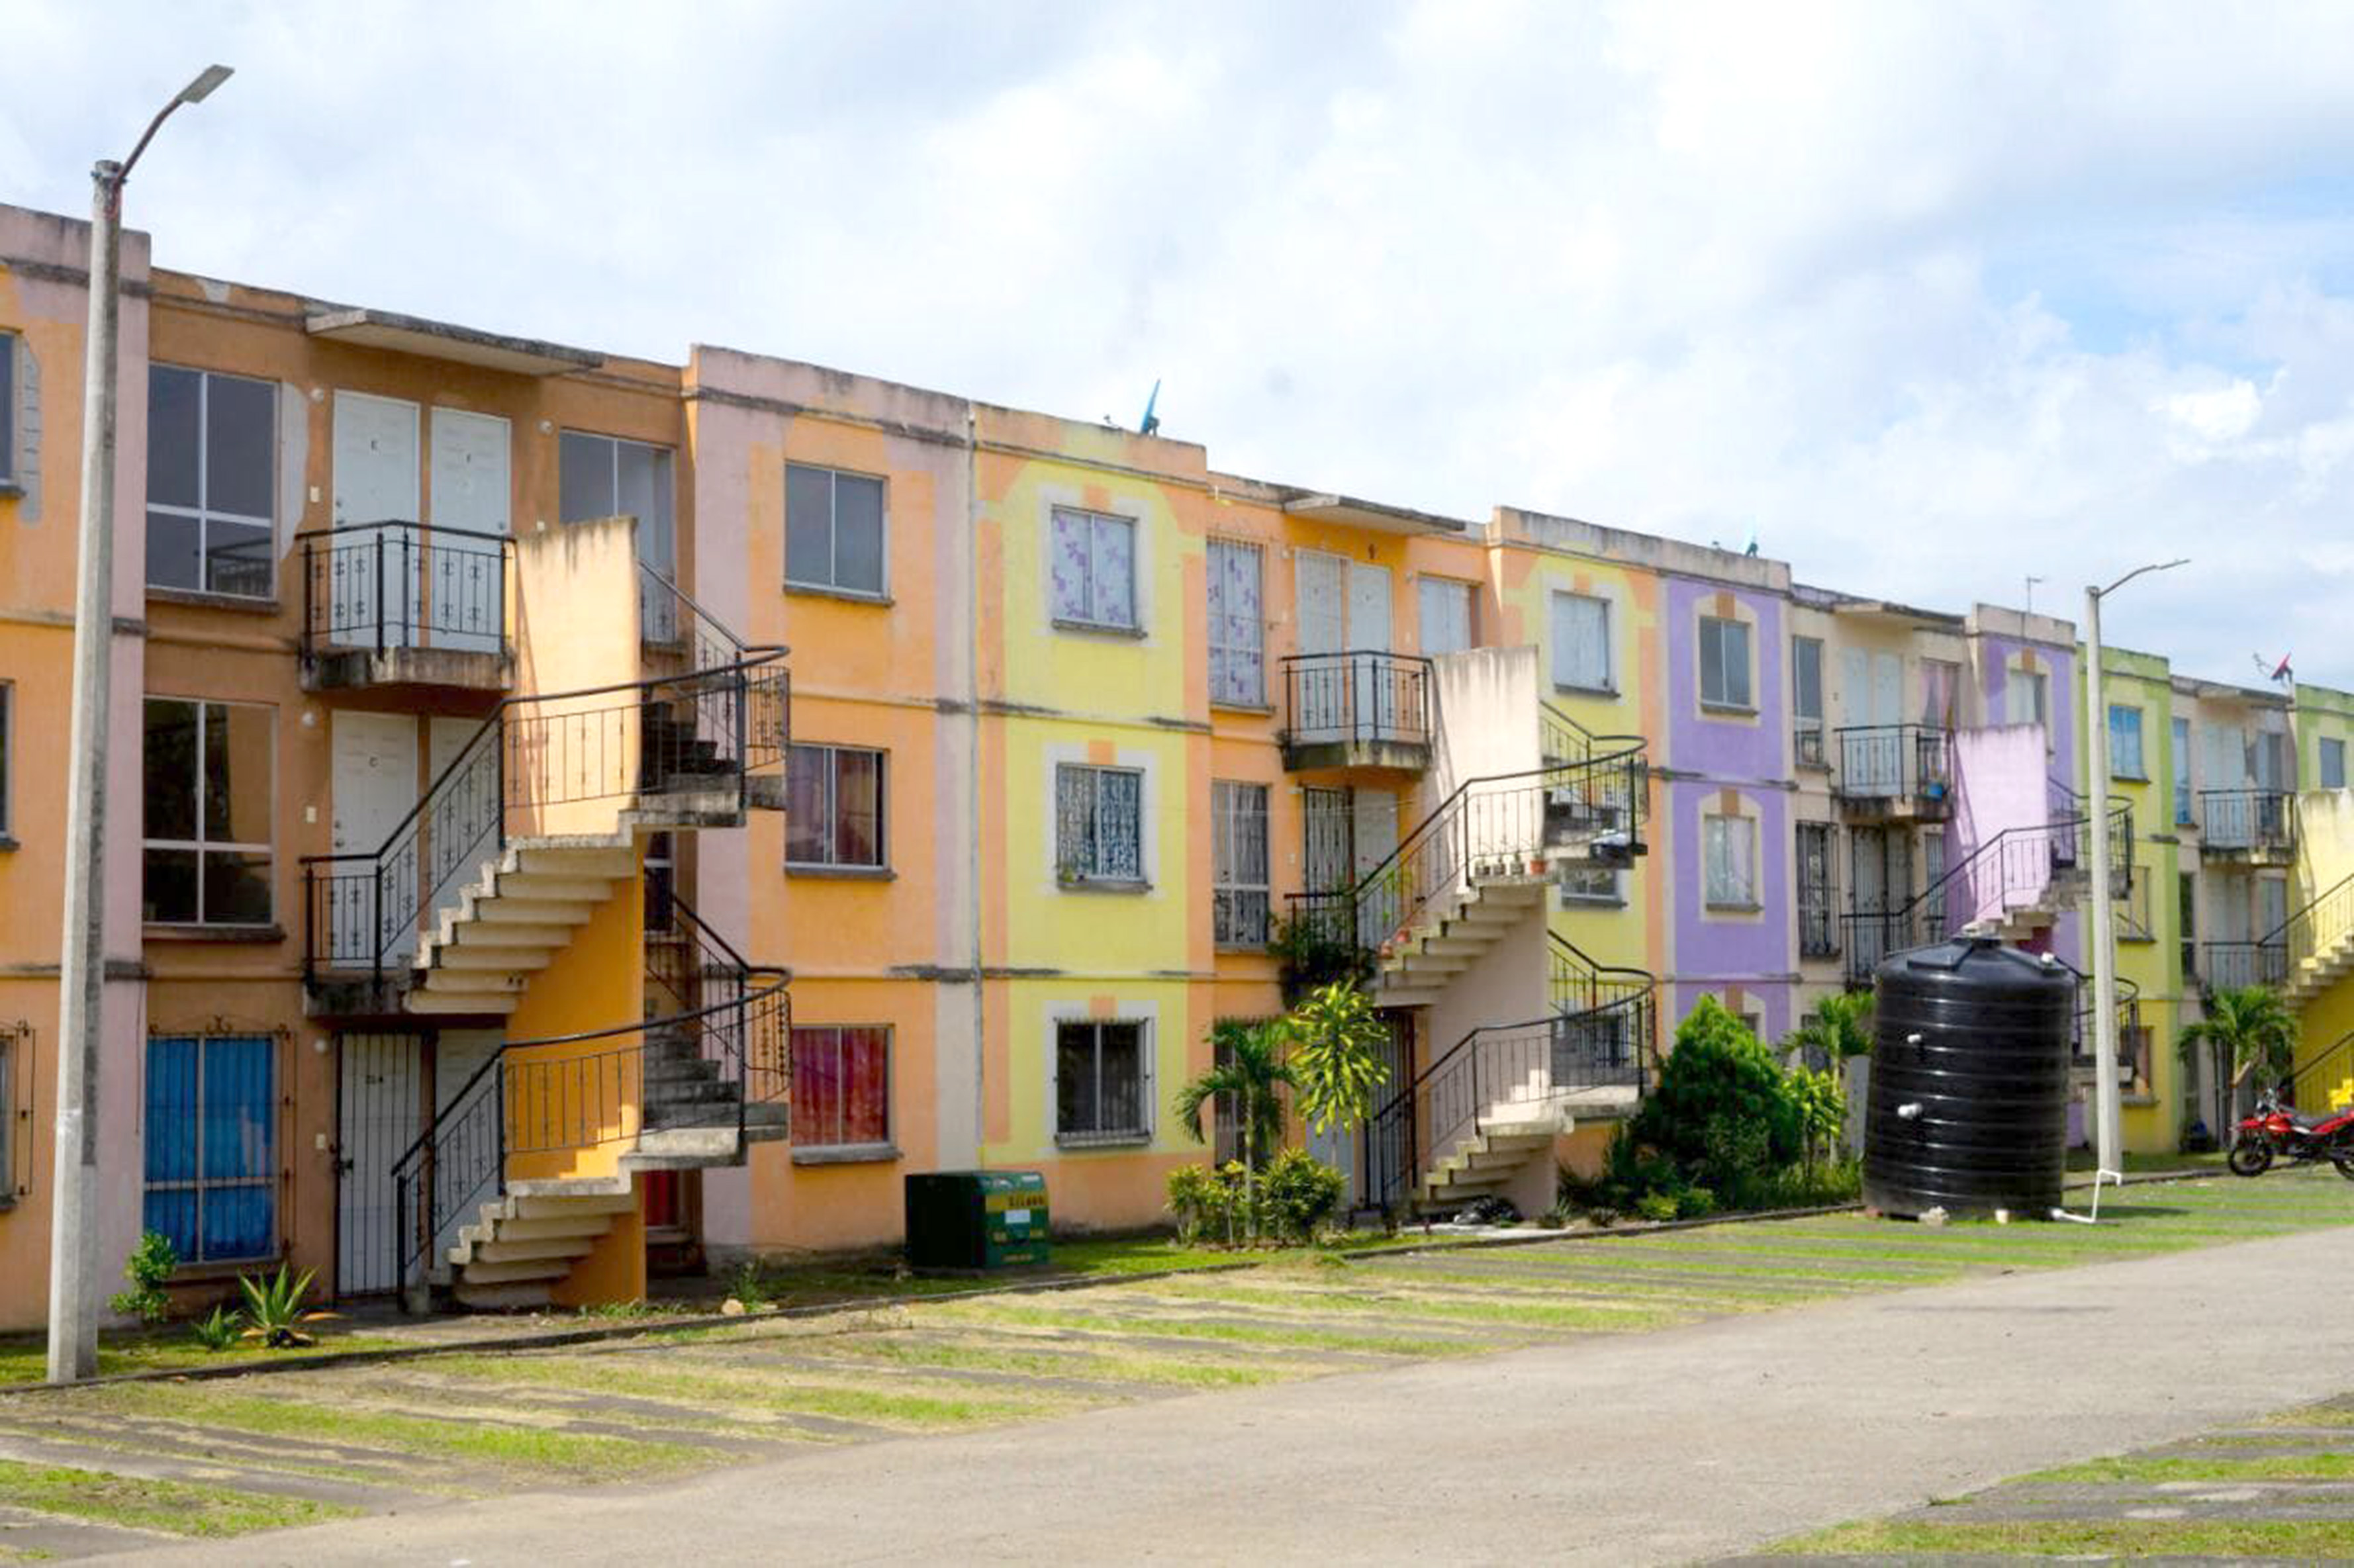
{"x": 2110, "y": 1108}
{"x": 81, "y": 967}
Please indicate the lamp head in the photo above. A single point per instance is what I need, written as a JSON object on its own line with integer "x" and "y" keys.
{"x": 202, "y": 88}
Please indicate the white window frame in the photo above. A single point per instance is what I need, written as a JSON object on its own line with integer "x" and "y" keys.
{"x": 1233, "y": 802}
{"x": 1563, "y": 678}
{"x": 1097, "y": 521}
{"x": 203, "y": 515}
{"x": 1227, "y": 656}
{"x": 668, "y": 566}
{"x": 1591, "y": 887}
{"x": 8, "y": 763}
{"x": 2185, "y": 803}
{"x": 833, "y": 751}
{"x": 1071, "y": 873}
{"x": 834, "y": 476}
{"x": 2139, "y": 771}
{"x": 1746, "y": 702}
{"x": 887, "y": 1146}
{"x": 1737, "y": 846}
{"x": 1802, "y": 722}
{"x": 201, "y": 846}
{"x": 1467, "y": 593}
{"x": 10, "y": 353}
{"x": 1100, "y": 1137}
{"x": 2327, "y": 747}
{"x": 2037, "y": 686}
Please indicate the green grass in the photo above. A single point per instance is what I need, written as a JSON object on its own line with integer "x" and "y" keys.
{"x": 1346, "y": 1299}
{"x": 2148, "y": 1469}
{"x": 2332, "y": 1415}
{"x": 25, "y": 1358}
{"x": 1235, "y": 1333}
{"x": 177, "y": 1507}
{"x": 2311, "y": 1541}
{"x": 780, "y": 1393}
{"x": 568, "y": 1455}
{"x": 1109, "y": 1367}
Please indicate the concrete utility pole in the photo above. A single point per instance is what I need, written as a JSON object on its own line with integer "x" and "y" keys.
{"x": 2110, "y": 1108}
{"x": 81, "y": 967}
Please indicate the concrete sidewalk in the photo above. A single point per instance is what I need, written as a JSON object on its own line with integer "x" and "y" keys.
{"x": 1658, "y": 1448}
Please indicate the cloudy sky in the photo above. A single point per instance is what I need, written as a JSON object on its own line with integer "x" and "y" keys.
{"x": 1930, "y": 298}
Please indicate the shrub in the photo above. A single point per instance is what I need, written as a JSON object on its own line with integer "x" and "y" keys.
{"x": 1695, "y": 1203}
{"x": 149, "y": 1269}
{"x": 1657, "y": 1205}
{"x": 1723, "y": 1115}
{"x": 217, "y": 1330}
{"x": 1301, "y": 1192}
{"x": 1203, "y": 1202}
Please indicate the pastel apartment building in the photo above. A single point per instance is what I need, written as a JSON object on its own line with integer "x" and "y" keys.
{"x": 575, "y": 815}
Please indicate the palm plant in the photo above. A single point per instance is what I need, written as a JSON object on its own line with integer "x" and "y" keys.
{"x": 1336, "y": 1059}
{"x": 1250, "y": 1070}
{"x": 2247, "y": 1027}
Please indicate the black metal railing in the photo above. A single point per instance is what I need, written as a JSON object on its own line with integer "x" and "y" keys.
{"x": 2228, "y": 966}
{"x": 2334, "y": 1058}
{"x": 574, "y": 1092}
{"x": 1356, "y": 698}
{"x": 702, "y": 731}
{"x": 1600, "y": 1035}
{"x": 2081, "y": 1027}
{"x": 2249, "y": 820}
{"x": 677, "y": 635}
{"x": 691, "y": 967}
{"x": 2312, "y": 931}
{"x": 1595, "y": 795}
{"x": 372, "y": 587}
{"x": 1891, "y": 762}
{"x": 2023, "y": 868}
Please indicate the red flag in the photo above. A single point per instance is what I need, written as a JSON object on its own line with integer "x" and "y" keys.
{"x": 2280, "y": 670}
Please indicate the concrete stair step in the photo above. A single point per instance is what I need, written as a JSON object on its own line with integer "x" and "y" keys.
{"x": 526, "y": 1249}
{"x": 548, "y": 1269}
{"x": 554, "y": 888}
{"x": 526, "y": 1297}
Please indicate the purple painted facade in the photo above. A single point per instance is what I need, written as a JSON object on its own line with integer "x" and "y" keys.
{"x": 1715, "y": 952}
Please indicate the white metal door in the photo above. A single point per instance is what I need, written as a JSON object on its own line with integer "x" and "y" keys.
{"x": 470, "y": 491}
{"x": 1322, "y": 611}
{"x": 374, "y": 763}
{"x": 1374, "y": 828}
{"x": 375, "y": 481}
{"x": 1317, "y": 691}
{"x": 2222, "y": 819}
{"x": 1375, "y": 699}
{"x": 379, "y": 1115}
{"x": 458, "y": 1056}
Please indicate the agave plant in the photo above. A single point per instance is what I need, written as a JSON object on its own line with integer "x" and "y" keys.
{"x": 217, "y": 1330}
{"x": 274, "y": 1312}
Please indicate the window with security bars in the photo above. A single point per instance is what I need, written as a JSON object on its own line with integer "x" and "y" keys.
{"x": 1237, "y": 624}
{"x": 1239, "y": 897}
{"x": 1099, "y": 824}
{"x": 211, "y": 1136}
{"x": 210, "y": 773}
{"x": 212, "y": 481}
{"x": 1818, "y": 897}
{"x": 1102, "y": 1083}
{"x": 1094, "y": 569}
{"x": 842, "y": 1087}
{"x": 1806, "y": 702}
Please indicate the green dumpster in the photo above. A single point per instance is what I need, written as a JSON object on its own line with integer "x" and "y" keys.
{"x": 966, "y": 1221}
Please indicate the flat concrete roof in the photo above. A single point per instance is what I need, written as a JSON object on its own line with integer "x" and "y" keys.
{"x": 440, "y": 340}
{"x": 1356, "y": 514}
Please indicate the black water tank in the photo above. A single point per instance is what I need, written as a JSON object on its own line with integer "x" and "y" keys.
{"x": 1969, "y": 1110}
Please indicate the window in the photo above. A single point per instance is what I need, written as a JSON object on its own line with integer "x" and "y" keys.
{"x": 1581, "y": 642}
{"x": 1730, "y": 844}
{"x": 1941, "y": 692}
{"x": 1237, "y": 625}
{"x": 833, "y": 807}
{"x": 212, "y": 1146}
{"x": 604, "y": 476}
{"x": 212, "y": 480}
{"x": 1817, "y": 916}
{"x": 2182, "y": 773}
{"x": 1446, "y": 609}
{"x": 1099, "y": 824}
{"x": 2029, "y": 699}
{"x": 2333, "y": 764}
{"x": 1806, "y": 701}
{"x": 1591, "y": 884}
{"x": 833, "y": 530}
{"x": 2125, "y": 743}
{"x": 1238, "y": 854}
{"x": 2186, "y": 915}
{"x": 10, "y": 1189}
{"x": 842, "y": 1087}
{"x": 210, "y": 781}
{"x": 1101, "y": 1093}
{"x": 1724, "y": 663}
{"x": 1094, "y": 570}
{"x": 7, "y": 409}
{"x": 7, "y": 736}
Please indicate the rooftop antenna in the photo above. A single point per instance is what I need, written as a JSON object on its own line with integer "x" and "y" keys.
{"x": 1152, "y": 422}
{"x": 2030, "y": 594}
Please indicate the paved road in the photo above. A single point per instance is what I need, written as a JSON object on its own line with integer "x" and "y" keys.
{"x": 1657, "y": 1447}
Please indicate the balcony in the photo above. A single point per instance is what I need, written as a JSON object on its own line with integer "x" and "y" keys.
{"x": 1893, "y": 770}
{"x": 396, "y": 604}
{"x": 2258, "y": 826}
{"x": 2228, "y": 966}
{"x": 1361, "y": 709}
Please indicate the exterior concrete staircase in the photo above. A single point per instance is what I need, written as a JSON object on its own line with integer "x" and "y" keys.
{"x": 1414, "y": 967}
{"x": 514, "y": 918}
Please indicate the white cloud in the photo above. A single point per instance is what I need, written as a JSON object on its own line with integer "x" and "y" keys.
{"x": 1934, "y": 298}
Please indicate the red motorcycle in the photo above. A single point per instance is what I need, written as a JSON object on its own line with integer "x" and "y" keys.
{"x": 2278, "y": 1132}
